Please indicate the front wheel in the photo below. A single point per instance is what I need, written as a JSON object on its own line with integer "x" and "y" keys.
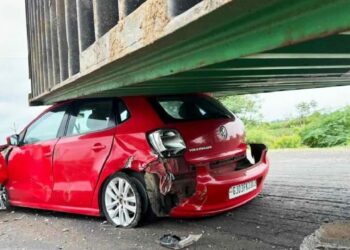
{"x": 4, "y": 199}
{"x": 121, "y": 202}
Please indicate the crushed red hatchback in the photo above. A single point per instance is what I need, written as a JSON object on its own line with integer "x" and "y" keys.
{"x": 126, "y": 158}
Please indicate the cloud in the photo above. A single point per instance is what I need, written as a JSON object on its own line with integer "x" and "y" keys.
{"x": 14, "y": 82}
{"x": 13, "y": 42}
{"x": 14, "y": 89}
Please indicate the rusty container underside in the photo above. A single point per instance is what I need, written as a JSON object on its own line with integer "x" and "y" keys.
{"x": 92, "y": 48}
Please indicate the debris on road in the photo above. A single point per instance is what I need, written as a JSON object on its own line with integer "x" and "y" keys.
{"x": 175, "y": 242}
{"x": 104, "y": 223}
{"x": 19, "y": 218}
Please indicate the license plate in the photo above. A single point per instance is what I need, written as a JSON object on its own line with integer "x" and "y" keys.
{"x": 241, "y": 189}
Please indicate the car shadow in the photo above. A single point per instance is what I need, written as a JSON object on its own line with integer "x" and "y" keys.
{"x": 155, "y": 222}
{"x": 46, "y": 213}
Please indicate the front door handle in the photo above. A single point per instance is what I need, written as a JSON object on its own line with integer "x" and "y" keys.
{"x": 98, "y": 147}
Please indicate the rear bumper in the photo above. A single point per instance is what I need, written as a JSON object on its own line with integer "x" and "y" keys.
{"x": 212, "y": 192}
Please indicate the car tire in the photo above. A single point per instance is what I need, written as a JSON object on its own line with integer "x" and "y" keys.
{"x": 148, "y": 216}
{"x": 4, "y": 199}
{"x": 141, "y": 188}
{"x": 121, "y": 201}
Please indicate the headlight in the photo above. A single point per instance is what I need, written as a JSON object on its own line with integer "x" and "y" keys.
{"x": 167, "y": 143}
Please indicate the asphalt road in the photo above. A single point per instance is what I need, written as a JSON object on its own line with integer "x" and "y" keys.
{"x": 304, "y": 189}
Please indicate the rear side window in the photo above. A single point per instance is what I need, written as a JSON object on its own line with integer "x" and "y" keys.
{"x": 91, "y": 116}
{"x": 123, "y": 113}
{"x": 189, "y": 108}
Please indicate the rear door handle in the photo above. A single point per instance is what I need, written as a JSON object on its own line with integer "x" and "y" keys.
{"x": 98, "y": 147}
{"x": 49, "y": 154}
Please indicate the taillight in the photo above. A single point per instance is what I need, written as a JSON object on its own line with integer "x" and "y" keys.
{"x": 167, "y": 142}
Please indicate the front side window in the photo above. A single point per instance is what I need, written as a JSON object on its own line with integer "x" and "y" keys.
{"x": 45, "y": 128}
{"x": 90, "y": 117}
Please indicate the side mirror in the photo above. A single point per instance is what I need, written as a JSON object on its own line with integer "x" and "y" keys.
{"x": 13, "y": 140}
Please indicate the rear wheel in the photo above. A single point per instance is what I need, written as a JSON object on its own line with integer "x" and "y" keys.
{"x": 121, "y": 202}
{"x": 4, "y": 199}
{"x": 148, "y": 216}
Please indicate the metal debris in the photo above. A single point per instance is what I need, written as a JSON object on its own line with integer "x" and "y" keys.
{"x": 19, "y": 218}
{"x": 175, "y": 242}
{"x": 129, "y": 162}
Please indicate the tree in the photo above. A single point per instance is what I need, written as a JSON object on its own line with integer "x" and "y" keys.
{"x": 305, "y": 109}
{"x": 247, "y": 107}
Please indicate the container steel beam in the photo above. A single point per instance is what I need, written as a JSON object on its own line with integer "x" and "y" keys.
{"x": 48, "y": 44}
{"x": 106, "y": 16}
{"x": 86, "y": 29}
{"x": 54, "y": 45}
{"x": 72, "y": 37}
{"x": 126, "y": 7}
{"x": 62, "y": 39}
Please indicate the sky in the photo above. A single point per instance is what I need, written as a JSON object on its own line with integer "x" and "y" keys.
{"x": 14, "y": 82}
{"x": 15, "y": 112}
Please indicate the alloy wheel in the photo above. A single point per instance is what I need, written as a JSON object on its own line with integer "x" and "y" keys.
{"x": 121, "y": 202}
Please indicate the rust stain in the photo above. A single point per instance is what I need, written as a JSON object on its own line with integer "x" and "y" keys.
{"x": 156, "y": 18}
{"x": 115, "y": 40}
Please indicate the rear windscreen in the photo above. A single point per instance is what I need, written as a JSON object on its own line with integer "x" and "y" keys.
{"x": 189, "y": 108}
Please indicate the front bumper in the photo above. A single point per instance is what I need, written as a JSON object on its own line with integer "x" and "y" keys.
{"x": 212, "y": 191}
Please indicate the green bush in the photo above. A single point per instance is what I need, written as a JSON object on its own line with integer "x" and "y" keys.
{"x": 259, "y": 135}
{"x": 287, "y": 141}
{"x": 328, "y": 131}
{"x": 316, "y": 130}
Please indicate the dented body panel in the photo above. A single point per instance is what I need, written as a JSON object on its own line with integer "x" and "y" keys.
{"x": 211, "y": 195}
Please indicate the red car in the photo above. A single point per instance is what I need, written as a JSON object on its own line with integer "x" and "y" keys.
{"x": 183, "y": 156}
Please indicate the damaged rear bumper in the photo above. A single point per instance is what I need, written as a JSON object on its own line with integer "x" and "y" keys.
{"x": 212, "y": 189}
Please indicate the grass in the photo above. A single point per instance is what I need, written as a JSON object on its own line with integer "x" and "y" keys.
{"x": 318, "y": 130}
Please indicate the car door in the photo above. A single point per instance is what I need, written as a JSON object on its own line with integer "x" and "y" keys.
{"x": 30, "y": 177}
{"x": 81, "y": 154}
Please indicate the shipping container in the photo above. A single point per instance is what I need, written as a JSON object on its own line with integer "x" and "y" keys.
{"x": 85, "y": 48}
